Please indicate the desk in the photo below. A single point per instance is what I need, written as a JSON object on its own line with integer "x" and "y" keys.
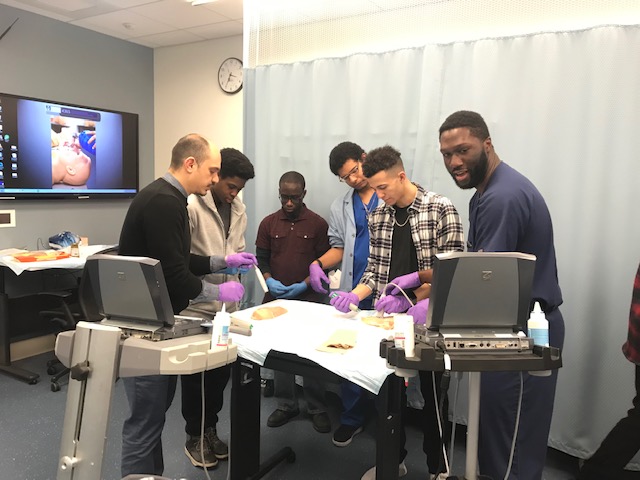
{"x": 10, "y": 267}
{"x": 245, "y": 417}
{"x": 288, "y": 343}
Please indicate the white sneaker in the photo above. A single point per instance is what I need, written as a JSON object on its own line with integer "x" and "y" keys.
{"x": 371, "y": 473}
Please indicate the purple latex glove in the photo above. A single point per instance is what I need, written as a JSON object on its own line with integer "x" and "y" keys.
{"x": 230, "y": 292}
{"x": 405, "y": 282}
{"x": 393, "y": 304}
{"x": 241, "y": 260}
{"x": 316, "y": 277}
{"x": 419, "y": 312}
{"x": 341, "y": 300}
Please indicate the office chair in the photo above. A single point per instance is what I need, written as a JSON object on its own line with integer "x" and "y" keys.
{"x": 73, "y": 308}
{"x": 62, "y": 318}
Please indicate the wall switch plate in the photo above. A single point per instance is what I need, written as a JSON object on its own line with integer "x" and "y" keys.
{"x": 7, "y": 218}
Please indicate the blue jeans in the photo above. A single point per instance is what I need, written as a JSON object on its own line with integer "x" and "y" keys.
{"x": 149, "y": 399}
{"x": 355, "y": 403}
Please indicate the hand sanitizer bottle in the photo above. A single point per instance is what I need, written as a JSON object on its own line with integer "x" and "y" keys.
{"x": 538, "y": 326}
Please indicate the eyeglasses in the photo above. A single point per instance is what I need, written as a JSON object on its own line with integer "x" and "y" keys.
{"x": 353, "y": 171}
{"x": 294, "y": 198}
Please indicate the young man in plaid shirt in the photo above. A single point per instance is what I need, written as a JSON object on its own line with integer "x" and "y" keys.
{"x": 405, "y": 234}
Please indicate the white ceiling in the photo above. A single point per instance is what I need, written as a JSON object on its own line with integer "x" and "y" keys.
{"x": 159, "y": 23}
{"x": 153, "y": 23}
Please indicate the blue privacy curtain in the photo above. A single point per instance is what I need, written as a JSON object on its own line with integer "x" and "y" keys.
{"x": 562, "y": 108}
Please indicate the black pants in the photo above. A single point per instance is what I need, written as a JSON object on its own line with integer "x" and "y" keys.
{"x": 618, "y": 447}
{"x": 432, "y": 440}
{"x": 215, "y": 382}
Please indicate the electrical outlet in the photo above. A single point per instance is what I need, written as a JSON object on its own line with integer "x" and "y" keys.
{"x": 7, "y": 218}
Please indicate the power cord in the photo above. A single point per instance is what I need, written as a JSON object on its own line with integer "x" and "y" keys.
{"x": 515, "y": 432}
{"x": 458, "y": 376}
{"x": 202, "y": 415}
{"x": 401, "y": 291}
{"x": 444, "y": 387}
{"x": 202, "y": 421}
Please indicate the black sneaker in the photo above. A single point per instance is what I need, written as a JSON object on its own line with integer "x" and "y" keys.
{"x": 198, "y": 450}
{"x": 344, "y": 434}
{"x": 219, "y": 448}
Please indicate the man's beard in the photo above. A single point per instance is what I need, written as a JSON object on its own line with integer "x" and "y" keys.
{"x": 477, "y": 172}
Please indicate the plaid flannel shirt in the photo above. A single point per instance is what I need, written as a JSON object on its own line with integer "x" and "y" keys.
{"x": 631, "y": 348}
{"x": 435, "y": 228}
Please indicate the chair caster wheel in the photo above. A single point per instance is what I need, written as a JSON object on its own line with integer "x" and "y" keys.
{"x": 52, "y": 370}
{"x": 55, "y": 387}
{"x": 291, "y": 458}
{"x": 33, "y": 382}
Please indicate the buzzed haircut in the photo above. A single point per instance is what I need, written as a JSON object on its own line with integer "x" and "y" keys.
{"x": 381, "y": 158}
{"x": 466, "y": 119}
{"x": 343, "y": 152}
{"x": 191, "y": 145}
{"x": 292, "y": 177}
{"x": 234, "y": 163}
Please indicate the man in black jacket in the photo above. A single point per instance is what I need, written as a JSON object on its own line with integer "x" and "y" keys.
{"x": 157, "y": 226}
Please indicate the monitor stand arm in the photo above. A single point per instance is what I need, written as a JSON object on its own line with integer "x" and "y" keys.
{"x": 94, "y": 366}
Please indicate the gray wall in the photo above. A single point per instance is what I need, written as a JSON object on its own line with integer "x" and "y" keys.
{"x": 44, "y": 58}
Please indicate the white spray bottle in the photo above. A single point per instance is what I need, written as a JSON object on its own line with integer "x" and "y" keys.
{"x": 221, "y": 325}
{"x": 538, "y": 326}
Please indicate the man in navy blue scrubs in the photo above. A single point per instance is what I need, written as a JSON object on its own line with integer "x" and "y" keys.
{"x": 507, "y": 214}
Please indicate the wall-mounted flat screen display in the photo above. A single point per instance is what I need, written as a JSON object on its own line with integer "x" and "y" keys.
{"x": 56, "y": 150}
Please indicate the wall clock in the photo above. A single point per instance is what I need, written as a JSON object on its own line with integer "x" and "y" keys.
{"x": 230, "y": 75}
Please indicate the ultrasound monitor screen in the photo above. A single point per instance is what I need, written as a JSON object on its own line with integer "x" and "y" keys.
{"x": 481, "y": 290}
{"x": 130, "y": 288}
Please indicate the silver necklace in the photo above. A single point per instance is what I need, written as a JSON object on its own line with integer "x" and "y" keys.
{"x": 403, "y": 223}
{"x": 367, "y": 211}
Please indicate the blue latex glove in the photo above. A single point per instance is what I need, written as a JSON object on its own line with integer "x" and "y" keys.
{"x": 405, "y": 282}
{"x": 419, "y": 312}
{"x": 295, "y": 290}
{"x": 393, "y": 304}
{"x": 230, "y": 292}
{"x": 341, "y": 300}
{"x": 316, "y": 277}
{"x": 241, "y": 260}
{"x": 276, "y": 288}
{"x": 87, "y": 141}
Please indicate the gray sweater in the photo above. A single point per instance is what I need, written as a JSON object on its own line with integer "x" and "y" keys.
{"x": 208, "y": 238}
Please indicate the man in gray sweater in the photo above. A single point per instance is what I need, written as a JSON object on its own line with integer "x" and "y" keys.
{"x": 217, "y": 221}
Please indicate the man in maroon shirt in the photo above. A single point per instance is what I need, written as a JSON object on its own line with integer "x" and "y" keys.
{"x": 288, "y": 241}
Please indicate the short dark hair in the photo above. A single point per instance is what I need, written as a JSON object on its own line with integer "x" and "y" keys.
{"x": 381, "y": 158}
{"x": 235, "y": 164}
{"x": 343, "y": 152}
{"x": 465, "y": 118}
{"x": 191, "y": 145}
{"x": 292, "y": 177}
